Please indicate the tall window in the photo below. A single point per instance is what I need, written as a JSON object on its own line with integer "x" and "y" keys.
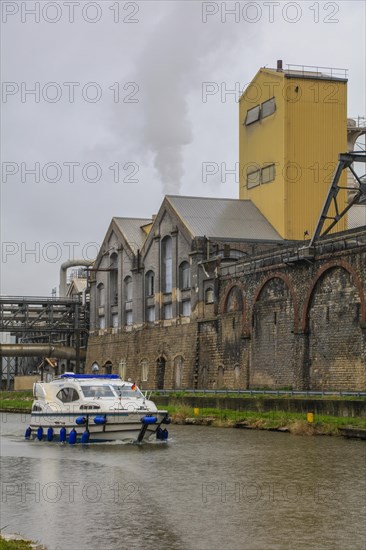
{"x": 122, "y": 368}
{"x": 184, "y": 275}
{"x": 178, "y": 371}
{"x": 113, "y": 279}
{"x": 186, "y": 308}
{"x": 128, "y": 289}
{"x": 128, "y": 293}
{"x": 101, "y": 303}
{"x": 209, "y": 296}
{"x": 150, "y": 314}
{"x": 168, "y": 311}
{"x": 144, "y": 370}
{"x": 167, "y": 264}
{"x": 101, "y": 294}
{"x": 149, "y": 283}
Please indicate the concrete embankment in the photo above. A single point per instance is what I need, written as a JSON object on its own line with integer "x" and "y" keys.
{"x": 352, "y": 408}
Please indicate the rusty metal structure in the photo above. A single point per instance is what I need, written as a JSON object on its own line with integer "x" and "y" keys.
{"x": 43, "y": 327}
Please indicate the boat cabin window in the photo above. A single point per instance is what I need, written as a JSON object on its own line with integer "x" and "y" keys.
{"x": 127, "y": 392}
{"x": 66, "y": 395}
{"x": 97, "y": 391}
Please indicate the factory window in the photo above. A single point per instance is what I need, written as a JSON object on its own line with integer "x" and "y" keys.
{"x": 101, "y": 294}
{"x": 253, "y": 179}
{"x": 168, "y": 311}
{"x": 122, "y": 369}
{"x": 113, "y": 279}
{"x": 178, "y": 371}
{"x": 253, "y": 115}
{"x": 128, "y": 289}
{"x": 129, "y": 317}
{"x": 186, "y": 308}
{"x": 209, "y": 296}
{"x": 149, "y": 283}
{"x": 115, "y": 320}
{"x": 268, "y": 173}
{"x": 184, "y": 275}
{"x": 167, "y": 264}
{"x": 144, "y": 370}
{"x": 268, "y": 108}
{"x": 150, "y": 314}
{"x": 102, "y": 322}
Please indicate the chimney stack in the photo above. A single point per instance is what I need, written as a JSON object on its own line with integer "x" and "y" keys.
{"x": 279, "y": 64}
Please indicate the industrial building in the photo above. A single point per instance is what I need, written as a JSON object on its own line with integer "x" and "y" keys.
{"x": 227, "y": 293}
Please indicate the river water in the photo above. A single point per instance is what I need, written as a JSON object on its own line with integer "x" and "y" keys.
{"x": 208, "y": 488}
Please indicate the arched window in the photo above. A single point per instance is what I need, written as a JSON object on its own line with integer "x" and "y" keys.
{"x": 101, "y": 295}
{"x": 108, "y": 367}
{"x": 113, "y": 279}
{"x": 128, "y": 289}
{"x": 149, "y": 283}
{"x": 184, "y": 275}
{"x": 209, "y": 296}
{"x": 167, "y": 264}
{"x": 101, "y": 304}
{"x": 237, "y": 375}
{"x": 128, "y": 294}
{"x": 178, "y": 371}
{"x": 122, "y": 369}
{"x": 234, "y": 300}
{"x": 144, "y": 370}
{"x": 220, "y": 377}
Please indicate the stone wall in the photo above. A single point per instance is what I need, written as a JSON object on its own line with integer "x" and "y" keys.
{"x": 278, "y": 321}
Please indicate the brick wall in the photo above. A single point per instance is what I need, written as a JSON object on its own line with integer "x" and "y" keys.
{"x": 296, "y": 324}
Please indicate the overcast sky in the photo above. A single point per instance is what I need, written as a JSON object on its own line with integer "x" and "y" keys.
{"x": 133, "y": 95}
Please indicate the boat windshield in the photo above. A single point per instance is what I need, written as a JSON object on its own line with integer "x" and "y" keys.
{"x": 97, "y": 391}
{"x": 127, "y": 391}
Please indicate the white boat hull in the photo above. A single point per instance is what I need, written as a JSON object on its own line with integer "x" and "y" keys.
{"x": 118, "y": 427}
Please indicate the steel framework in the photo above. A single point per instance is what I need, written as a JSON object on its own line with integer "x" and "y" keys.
{"x": 57, "y": 321}
{"x": 346, "y": 160}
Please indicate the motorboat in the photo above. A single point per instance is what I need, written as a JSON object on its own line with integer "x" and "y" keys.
{"x": 86, "y": 408}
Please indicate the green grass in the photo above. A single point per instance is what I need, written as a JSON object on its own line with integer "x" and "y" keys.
{"x": 17, "y": 544}
{"x": 273, "y": 420}
{"x": 235, "y": 395}
{"x": 16, "y": 400}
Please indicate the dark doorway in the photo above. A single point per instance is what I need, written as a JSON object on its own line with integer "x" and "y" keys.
{"x": 108, "y": 368}
{"x": 160, "y": 373}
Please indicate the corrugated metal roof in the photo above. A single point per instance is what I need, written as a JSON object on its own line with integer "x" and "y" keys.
{"x": 131, "y": 229}
{"x": 223, "y": 218}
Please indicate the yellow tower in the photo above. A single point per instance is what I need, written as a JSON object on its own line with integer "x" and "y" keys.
{"x": 293, "y": 125}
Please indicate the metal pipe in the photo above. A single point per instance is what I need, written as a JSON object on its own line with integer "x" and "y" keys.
{"x": 63, "y": 270}
{"x": 40, "y": 350}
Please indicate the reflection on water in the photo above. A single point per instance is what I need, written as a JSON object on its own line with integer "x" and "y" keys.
{"x": 208, "y": 488}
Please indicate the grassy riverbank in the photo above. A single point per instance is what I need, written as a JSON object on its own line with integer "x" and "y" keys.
{"x": 295, "y": 423}
{"x": 19, "y": 544}
{"x": 16, "y": 400}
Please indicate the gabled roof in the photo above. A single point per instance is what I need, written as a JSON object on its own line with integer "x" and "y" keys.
{"x": 78, "y": 284}
{"x": 222, "y": 218}
{"x": 131, "y": 228}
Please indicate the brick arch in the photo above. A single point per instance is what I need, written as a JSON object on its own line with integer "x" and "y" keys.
{"x": 291, "y": 289}
{"x": 224, "y": 299}
{"x": 320, "y": 273}
{"x": 223, "y": 304}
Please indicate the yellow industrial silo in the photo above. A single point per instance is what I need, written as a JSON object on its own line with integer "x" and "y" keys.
{"x": 293, "y": 125}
